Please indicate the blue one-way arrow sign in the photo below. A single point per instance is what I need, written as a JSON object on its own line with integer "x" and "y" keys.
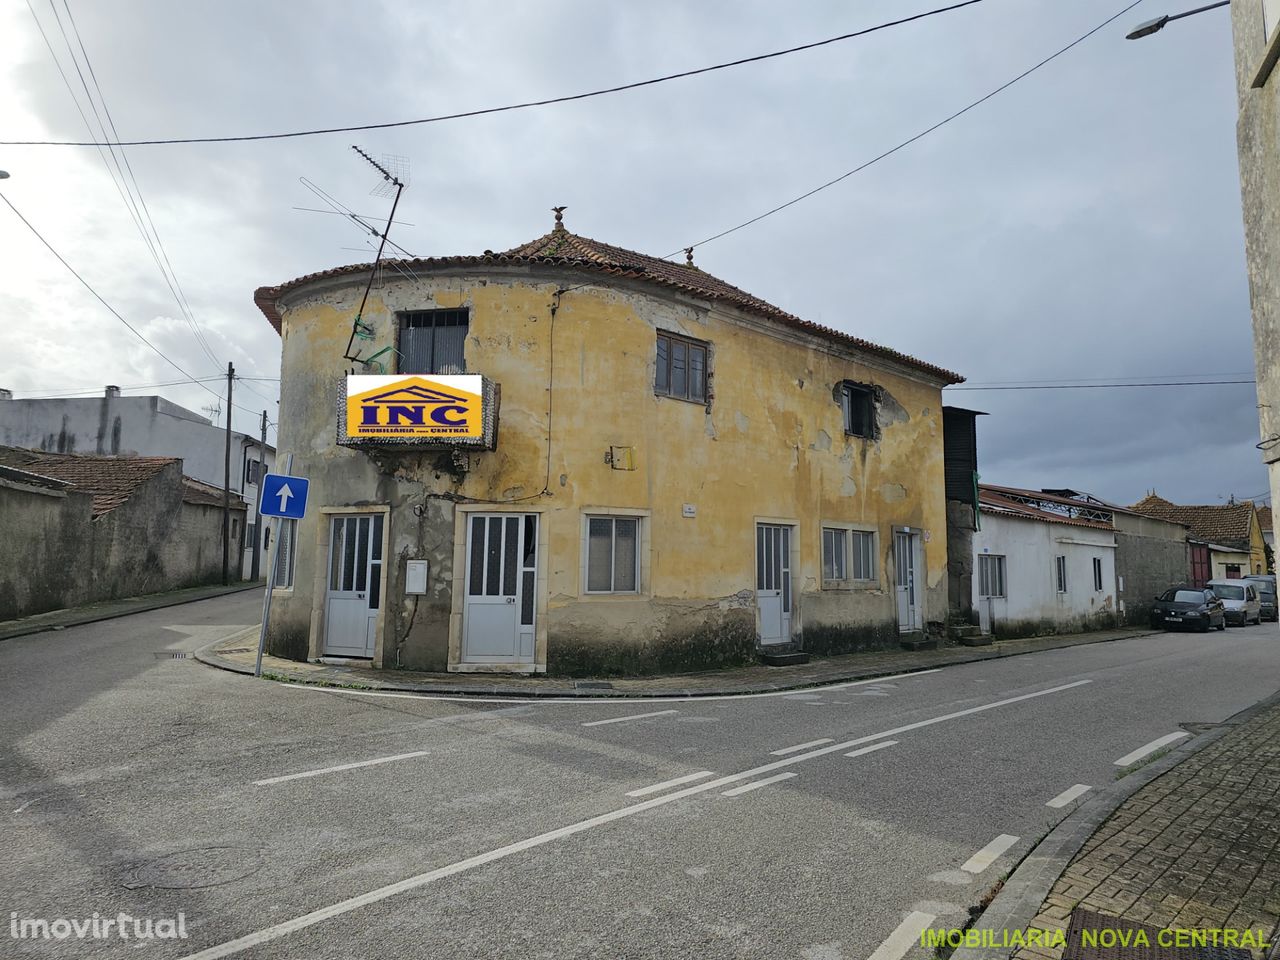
{"x": 284, "y": 496}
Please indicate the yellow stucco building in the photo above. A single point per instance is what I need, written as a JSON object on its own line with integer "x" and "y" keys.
{"x": 675, "y": 474}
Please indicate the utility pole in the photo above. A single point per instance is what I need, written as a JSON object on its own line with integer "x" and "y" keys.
{"x": 226, "y": 487}
{"x": 257, "y": 509}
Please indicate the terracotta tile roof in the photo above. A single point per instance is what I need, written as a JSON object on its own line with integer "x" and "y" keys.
{"x": 560, "y": 248}
{"x": 1227, "y": 524}
{"x": 109, "y": 480}
{"x": 996, "y": 500}
{"x": 205, "y": 494}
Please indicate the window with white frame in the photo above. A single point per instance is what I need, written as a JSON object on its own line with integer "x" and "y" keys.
{"x": 285, "y": 552}
{"x": 991, "y": 576}
{"x": 835, "y": 554}
{"x": 848, "y": 555}
{"x": 1060, "y": 571}
{"x": 864, "y": 554}
{"x": 1097, "y": 573}
{"x": 613, "y": 554}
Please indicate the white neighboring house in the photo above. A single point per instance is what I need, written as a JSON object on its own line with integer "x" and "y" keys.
{"x": 1038, "y": 572}
{"x": 146, "y": 426}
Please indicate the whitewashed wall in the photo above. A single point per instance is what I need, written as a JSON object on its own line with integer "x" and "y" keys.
{"x": 1032, "y": 603}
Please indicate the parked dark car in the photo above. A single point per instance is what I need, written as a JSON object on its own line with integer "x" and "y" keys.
{"x": 1191, "y": 608}
{"x": 1266, "y": 586}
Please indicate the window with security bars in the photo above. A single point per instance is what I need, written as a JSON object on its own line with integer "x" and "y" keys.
{"x": 432, "y": 341}
{"x": 613, "y": 554}
{"x": 681, "y": 369}
{"x": 285, "y": 550}
{"x": 1097, "y": 573}
{"x": 991, "y": 576}
{"x": 1060, "y": 572}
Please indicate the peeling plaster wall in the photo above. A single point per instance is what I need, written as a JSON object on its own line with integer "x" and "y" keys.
{"x": 770, "y": 444}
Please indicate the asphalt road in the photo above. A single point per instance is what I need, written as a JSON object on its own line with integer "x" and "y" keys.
{"x": 150, "y": 786}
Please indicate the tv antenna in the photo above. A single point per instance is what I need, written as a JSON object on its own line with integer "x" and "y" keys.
{"x": 392, "y": 185}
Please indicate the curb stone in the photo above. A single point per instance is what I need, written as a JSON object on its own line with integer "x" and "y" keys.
{"x": 210, "y": 657}
{"x": 1024, "y": 891}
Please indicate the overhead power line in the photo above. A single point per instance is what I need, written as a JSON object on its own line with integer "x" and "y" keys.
{"x": 114, "y": 312}
{"x": 507, "y": 108}
{"x": 1109, "y": 386}
{"x": 910, "y": 140}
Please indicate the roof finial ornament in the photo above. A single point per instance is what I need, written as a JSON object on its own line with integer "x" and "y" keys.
{"x": 559, "y": 212}
{"x": 688, "y": 256}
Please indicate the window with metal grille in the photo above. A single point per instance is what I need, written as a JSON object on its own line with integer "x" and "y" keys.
{"x": 1097, "y": 573}
{"x": 613, "y": 554}
{"x": 432, "y": 341}
{"x": 1060, "y": 569}
{"x": 285, "y": 553}
{"x": 857, "y": 405}
{"x": 991, "y": 576}
{"x": 681, "y": 369}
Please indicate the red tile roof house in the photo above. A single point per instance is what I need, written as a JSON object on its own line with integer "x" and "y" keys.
{"x": 83, "y": 529}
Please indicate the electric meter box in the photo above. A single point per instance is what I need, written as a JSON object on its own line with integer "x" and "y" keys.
{"x": 415, "y": 576}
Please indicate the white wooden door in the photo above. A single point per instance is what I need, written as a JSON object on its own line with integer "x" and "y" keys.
{"x": 907, "y": 580}
{"x": 773, "y": 582}
{"x": 498, "y": 614}
{"x": 353, "y": 595}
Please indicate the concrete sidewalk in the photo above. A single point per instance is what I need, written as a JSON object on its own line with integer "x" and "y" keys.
{"x": 238, "y": 651}
{"x": 109, "y": 610}
{"x": 1195, "y": 846}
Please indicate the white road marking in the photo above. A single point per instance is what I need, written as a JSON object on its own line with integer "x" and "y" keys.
{"x": 872, "y": 749}
{"x": 412, "y": 883}
{"x": 904, "y": 937}
{"x": 757, "y": 784}
{"x": 596, "y": 701}
{"x": 1066, "y": 796}
{"x": 988, "y": 854}
{"x": 1151, "y": 747}
{"x": 896, "y": 676}
{"x": 634, "y": 716}
{"x": 659, "y": 787}
{"x": 338, "y": 768}
{"x": 800, "y": 746}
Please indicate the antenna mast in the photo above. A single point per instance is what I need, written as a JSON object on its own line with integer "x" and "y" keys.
{"x": 359, "y": 329}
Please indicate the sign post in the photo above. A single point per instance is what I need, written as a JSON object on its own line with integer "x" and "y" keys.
{"x": 284, "y": 498}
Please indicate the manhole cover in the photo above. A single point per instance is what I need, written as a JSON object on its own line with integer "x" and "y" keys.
{"x": 193, "y": 869}
{"x": 170, "y": 655}
{"x": 593, "y": 685}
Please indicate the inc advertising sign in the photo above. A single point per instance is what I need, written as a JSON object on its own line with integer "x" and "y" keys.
{"x": 416, "y": 410}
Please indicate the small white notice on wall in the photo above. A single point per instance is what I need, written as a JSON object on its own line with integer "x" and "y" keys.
{"x": 688, "y": 510}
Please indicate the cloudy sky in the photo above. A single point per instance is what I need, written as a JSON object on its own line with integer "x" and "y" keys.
{"x": 1084, "y": 225}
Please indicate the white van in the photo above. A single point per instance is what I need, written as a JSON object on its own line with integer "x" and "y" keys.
{"x": 1240, "y": 597}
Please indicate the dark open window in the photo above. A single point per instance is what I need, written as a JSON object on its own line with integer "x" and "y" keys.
{"x": 681, "y": 368}
{"x": 431, "y": 341}
{"x": 857, "y": 404}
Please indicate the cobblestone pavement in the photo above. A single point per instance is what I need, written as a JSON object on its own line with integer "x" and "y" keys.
{"x": 238, "y": 652}
{"x": 1195, "y": 848}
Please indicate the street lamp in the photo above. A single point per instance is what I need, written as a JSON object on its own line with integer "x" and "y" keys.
{"x": 1156, "y": 25}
